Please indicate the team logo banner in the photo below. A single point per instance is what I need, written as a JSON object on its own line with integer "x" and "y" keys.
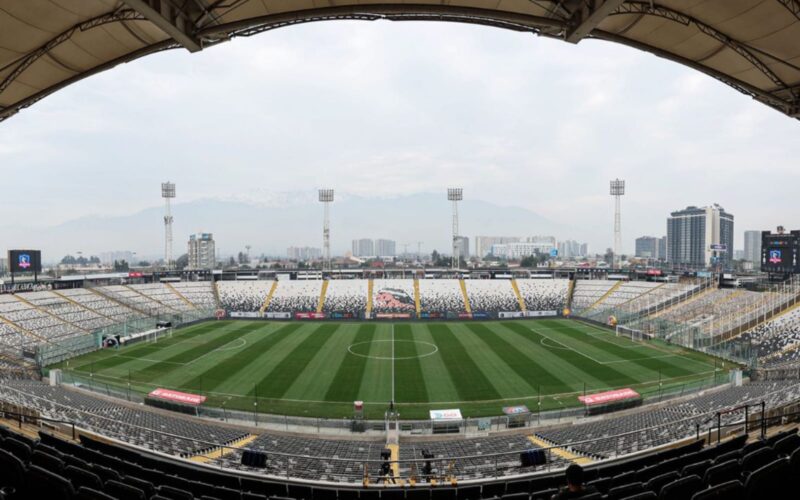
{"x": 439, "y": 415}
{"x": 608, "y": 397}
{"x": 515, "y": 410}
{"x": 178, "y": 397}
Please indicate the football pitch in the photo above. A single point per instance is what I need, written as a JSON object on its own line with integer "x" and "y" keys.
{"x": 318, "y": 369}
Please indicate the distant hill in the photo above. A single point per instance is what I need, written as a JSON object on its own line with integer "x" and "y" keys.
{"x": 271, "y": 229}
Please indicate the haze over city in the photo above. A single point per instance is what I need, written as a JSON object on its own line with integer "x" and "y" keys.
{"x": 518, "y": 121}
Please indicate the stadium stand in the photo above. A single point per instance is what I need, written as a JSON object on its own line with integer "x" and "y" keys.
{"x": 441, "y": 296}
{"x": 587, "y": 292}
{"x": 100, "y": 304}
{"x": 491, "y": 296}
{"x": 243, "y": 296}
{"x": 672, "y": 422}
{"x": 161, "y": 293}
{"x": 134, "y": 299}
{"x": 348, "y": 296}
{"x": 295, "y": 296}
{"x": 544, "y": 294}
{"x": 199, "y": 293}
{"x": 35, "y": 320}
{"x": 67, "y": 311}
{"x": 393, "y": 296}
{"x": 776, "y": 341}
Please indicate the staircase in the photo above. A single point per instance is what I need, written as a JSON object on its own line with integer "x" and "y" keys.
{"x": 322, "y": 293}
{"x": 272, "y": 289}
{"x": 463, "y": 285}
{"x": 416, "y": 297}
{"x": 180, "y": 295}
{"x": 521, "y": 301}
{"x": 370, "y": 288}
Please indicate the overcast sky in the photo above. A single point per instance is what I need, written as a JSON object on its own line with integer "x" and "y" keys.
{"x": 381, "y": 108}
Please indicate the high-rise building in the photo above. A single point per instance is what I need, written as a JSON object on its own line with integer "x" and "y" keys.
{"x": 363, "y": 248}
{"x": 303, "y": 253}
{"x": 108, "y": 258}
{"x": 752, "y": 246}
{"x": 483, "y": 244}
{"x": 201, "y": 251}
{"x": 463, "y": 247}
{"x": 584, "y": 249}
{"x": 570, "y": 249}
{"x": 650, "y": 247}
{"x": 385, "y": 248}
{"x": 698, "y": 237}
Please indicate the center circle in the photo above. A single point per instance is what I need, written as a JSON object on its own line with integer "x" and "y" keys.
{"x": 362, "y": 349}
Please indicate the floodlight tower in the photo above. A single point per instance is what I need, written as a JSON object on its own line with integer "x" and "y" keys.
{"x": 455, "y": 195}
{"x": 326, "y": 197}
{"x": 168, "y": 192}
{"x": 617, "y": 190}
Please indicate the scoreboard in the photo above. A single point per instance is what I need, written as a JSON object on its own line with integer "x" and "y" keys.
{"x": 25, "y": 261}
{"x": 780, "y": 253}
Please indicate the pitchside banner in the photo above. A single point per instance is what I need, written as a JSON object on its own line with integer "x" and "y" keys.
{"x": 278, "y": 315}
{"x": 443, "y": 415}
{"x": 178, "y": 397}
{"x": 511, "y": 314}
{"x": 392, "y": 316}
{"x": 309, "y": 315}
{"x": 241, "y": 314}
{"x": 538, "y": 314}
{"x": 602, "y": 398}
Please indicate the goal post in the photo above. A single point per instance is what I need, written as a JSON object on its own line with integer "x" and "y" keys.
{"x": 632, "y": 333}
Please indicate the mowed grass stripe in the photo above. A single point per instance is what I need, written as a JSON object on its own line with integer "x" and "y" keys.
{"x": 409, "y": 381}
{"x": 608, "y": 375}
{"x": 175, "y": 362}
{"x": 275, "y": 383}
{"x": 644, "y": 358}
{"x": 469, "y": 380}
{"x": 527, "y": 368}
{"x": 211, "y": 379}
{"x": 145, "y": 349}
{"x": 347, "y": 380}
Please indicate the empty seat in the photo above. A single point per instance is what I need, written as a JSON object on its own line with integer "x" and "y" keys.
{"x": 757, "y": 459}
{"x": 543, "y": 494}
{"x": 147, "y": 487}
{"x": 18, "y": 448}
{"x": 645, "y": 495}
{"x": 175, "y": 493}
{"x": 697, "y": 468}
{"x": 625, "y": 490}
{"x": 83, "y": 478}
{"x": 12, "y": 470}
{"x": 123, "y": 491}
{"x": 721, "y": 473}
{"x": 40, "y": 483}
{"x": 468, "y": 492}
{"x": 681, "y": 489}
{"x": 85, "y": 493}
{"x": 447, "y": 493}
{"x": 47, "y": 462}
{"x": 787, "y": 445}
{"x": 657, "y": 482}
{"x": 731, "y": 490}
{"x": 770, "y": 481}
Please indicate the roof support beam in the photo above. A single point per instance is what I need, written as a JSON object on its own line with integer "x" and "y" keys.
{"x": 588, "y": 16}
{"x": 793, "y": 6}
{"x": 175, "y": 22}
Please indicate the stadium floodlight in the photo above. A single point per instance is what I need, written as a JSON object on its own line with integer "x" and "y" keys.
{"x": 168, "y": 192}
{"x": 617, "y": 189}
{"x": 326, "y": 197}
{"x": 455, "y": 195}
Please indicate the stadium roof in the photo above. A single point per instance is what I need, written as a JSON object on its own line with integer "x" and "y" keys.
{"x": 751, "y": 45}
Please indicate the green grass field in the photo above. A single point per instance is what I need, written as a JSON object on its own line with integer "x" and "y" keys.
{"x": 319, "y": 369}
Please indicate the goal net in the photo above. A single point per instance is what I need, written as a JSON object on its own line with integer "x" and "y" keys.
{"x": 632, "y": 333}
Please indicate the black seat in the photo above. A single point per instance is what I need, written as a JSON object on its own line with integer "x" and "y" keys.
{"x": 300, "y": 492}
{"x": 123, "y": 491}
{"x": 645, "y": 495}
{"x": 721, "y": 473}
{"x": 770, "y": 481}
{"x": 522, "y": 486}
{"x": 757, "y": 459}
{"x": 417, "y": 493}
{"x": 516, "y": 496}
{"x": 40, "y": 483}
{"x": 106, "y": 474}
{"x": 725, "y": 457}
{"x": 624, "y": 478}
{"x": 657, "y": 482}
{"x": 18, "y": 448}
{"x": 625, "y": 490}
{"x": 751, "y": 447}
{"x": 787, "y": 445}
{"x": 492, "y": 490}
{"x": 732, "y": 490}
{"x": 175, "y": 493}
{"x": 81, "y": 478}
{"x": 12, "y": 470}
{"x": 468, "y": 492}
{"x": 600, "y": 484}
{"x": 794, "y": 461}
{"x": 85, "y": 493}
{"x": 147, "y": 487}
{"x": 681, "y": 489}
{"x": 224, "y": 493}
{"x": 47, "y": 462}
{"x": 697, "y": 468}
{"x": 445, "y": 493}
{"x": 544, "y": 494}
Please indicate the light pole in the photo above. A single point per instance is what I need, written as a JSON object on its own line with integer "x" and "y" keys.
{"x": 617, "y": 189}
{"x": 326, "y": 197}
{"x": 455, "y": 195}
{"x": 167, "y": 192}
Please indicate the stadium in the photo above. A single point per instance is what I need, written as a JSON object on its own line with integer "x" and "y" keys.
{"x": 431, "y": 383}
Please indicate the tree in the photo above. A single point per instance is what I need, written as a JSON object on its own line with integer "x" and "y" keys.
{"x": 121, "y": 266}
{"x": 182, "y": 262}
{"x": 434, "y": 256}
{"x": 143, "y": 263}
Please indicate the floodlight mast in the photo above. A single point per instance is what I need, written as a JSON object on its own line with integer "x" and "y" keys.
{"x": 326, "y": 197}
{"x": 168, "y": 192}
{"x": 617, "y": 189}
{"x": 455, "y": 195}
